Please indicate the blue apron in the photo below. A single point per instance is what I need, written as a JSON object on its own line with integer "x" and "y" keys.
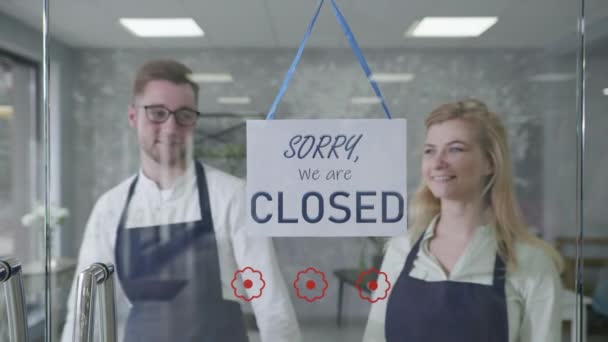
{"x": 171, "y": 275}
{"x": 437, "y": 311}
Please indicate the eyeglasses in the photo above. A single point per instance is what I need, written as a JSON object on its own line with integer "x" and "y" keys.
{"x": 160, "y": 114}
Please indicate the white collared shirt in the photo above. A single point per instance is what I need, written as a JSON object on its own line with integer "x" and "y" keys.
{"x": 532, "y": 291}
{"x": 151, "y": 206}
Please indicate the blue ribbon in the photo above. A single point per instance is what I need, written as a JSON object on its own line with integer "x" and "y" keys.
{"x": 354, "y": 46}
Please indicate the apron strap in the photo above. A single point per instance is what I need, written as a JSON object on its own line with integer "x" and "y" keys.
{"x": 123, "y": 215}
{"x": 498, "y": 281}
{"x": 203, "y": 195}
{"x": 409, "y": 262}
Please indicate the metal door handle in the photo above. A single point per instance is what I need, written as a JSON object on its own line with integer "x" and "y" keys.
{"x": 97, "y": 275}
{"x": 10, "y": 273}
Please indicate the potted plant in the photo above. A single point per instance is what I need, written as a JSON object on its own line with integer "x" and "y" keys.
{"x": 34, "y": 220}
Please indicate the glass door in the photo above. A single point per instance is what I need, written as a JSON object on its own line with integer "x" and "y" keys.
{"x": 148, "y": 164}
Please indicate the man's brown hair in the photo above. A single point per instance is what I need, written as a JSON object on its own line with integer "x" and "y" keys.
{"x": 163, "y": 69}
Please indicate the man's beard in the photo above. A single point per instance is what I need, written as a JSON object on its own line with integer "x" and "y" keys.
{"x": 170, "y": 156}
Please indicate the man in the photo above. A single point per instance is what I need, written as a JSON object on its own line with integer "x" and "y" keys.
{"x": 598, "y": 312}
{"x": 175, "y": 232}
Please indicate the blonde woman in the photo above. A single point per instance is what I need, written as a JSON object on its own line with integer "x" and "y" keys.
{"x": 468, "y": 270}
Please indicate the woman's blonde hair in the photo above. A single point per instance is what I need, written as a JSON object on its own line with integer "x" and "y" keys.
{"x": 505, "y": 214}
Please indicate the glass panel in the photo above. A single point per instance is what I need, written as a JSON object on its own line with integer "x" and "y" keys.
{"x": 21, "y": 210}
{"x": 524, "y": 67}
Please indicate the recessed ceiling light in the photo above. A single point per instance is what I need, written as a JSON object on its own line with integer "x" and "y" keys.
{"x": 359, "y": 100}
{"x": 6, "y": 112}
{"x": 451, "y": 27}
{"x": 162, "y": 27}
{"x": 552, "y": 77}
{"x": 606, "y": 91}
{"x": 211, "y": 78}
{"x": 234, "y": 100}
{"x": 392, "y": 77}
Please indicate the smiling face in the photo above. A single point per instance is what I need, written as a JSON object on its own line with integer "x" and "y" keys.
{"x": 454, "y": 165}
{"x": 165, "y": 143}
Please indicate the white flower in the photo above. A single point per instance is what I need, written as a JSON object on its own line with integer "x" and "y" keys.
{"x": 28, "y": 219}
{"x": 36, "y": 216}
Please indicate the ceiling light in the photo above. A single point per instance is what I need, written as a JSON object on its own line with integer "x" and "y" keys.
{"x": 552, "y": 77}
{"x": 6, "y": 112}
{"x": 451, "y": 27}
{"x": 211, "y": 78}
{"x": 234, "y": 100}
{"x": 392, "y": 77}
{"x": 359, "y": 100}
{"x": 162, "y": 27}
{"x": 606, "y": 91}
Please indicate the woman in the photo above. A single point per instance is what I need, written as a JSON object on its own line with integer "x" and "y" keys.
{"x": 467, "y": 269}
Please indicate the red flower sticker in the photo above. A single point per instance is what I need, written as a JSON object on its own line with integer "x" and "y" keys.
{"x": 310, "y": 284}
{"x": 248, "y": 284}
{"x": 375, "y": 282}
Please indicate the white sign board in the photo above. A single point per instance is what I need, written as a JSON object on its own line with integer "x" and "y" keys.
{"x": 326, "y": 177}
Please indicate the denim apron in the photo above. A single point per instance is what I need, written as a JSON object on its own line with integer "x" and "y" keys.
{"x": 437, "y": 311}
{"x": 171, "y": 275}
